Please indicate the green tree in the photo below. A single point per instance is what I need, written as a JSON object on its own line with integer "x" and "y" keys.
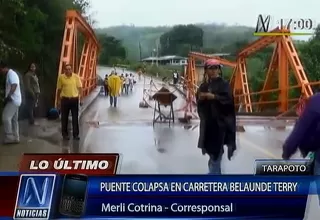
{"x": 32, "y": 31}
{"x": 181, "y": 39}
{"x": 9, "y": 38}
{"x": 215, "y": 37}
{"x": 111, "y": 50}
{"x": 234, "y": 48}
{"x": 310, "y": 56}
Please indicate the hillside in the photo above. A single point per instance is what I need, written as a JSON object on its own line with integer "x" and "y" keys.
{"x": 217, "y": 38}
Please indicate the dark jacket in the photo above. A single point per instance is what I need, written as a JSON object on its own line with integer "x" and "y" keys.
{"x": 306, "y": 132}
{"x": 217, "y": 118}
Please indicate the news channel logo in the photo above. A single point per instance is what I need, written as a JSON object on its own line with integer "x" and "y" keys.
{"x": 34, "y": 196}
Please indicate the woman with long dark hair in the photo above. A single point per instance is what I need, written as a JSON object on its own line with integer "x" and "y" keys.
{"x": 32, "y": 89}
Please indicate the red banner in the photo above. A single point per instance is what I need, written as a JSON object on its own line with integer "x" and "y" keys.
{"x": 89, "y": 164}
{"x": 8, "y": 190}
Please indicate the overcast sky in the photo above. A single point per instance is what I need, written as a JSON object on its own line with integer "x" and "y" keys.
{"x": 170, "y": 12}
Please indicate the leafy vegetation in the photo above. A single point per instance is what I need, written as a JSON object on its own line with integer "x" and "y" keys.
{"x": 216, "y": 38}
{"x": 154, "y": 70}
{"x": 207, "y": 38}
{"x": 310, "y": 55}
{"x": 112, "y": 51}
{"x": 32, "y": 31}
{"x": 181, "y": 39}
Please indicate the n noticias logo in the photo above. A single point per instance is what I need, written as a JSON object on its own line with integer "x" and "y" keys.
{"x": 34, "y": 197}
{"x": 263, "y": 24}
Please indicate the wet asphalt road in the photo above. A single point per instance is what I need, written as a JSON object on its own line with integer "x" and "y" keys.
{"x": 128, "y": 130}
{"x": 145, "y": 149}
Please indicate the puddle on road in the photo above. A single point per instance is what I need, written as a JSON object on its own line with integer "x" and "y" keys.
{"x": 138, "y": 123}
{"x": 161, "y": 150}
{"x": 158, "y": 146}
{"x": 190, "y": 127}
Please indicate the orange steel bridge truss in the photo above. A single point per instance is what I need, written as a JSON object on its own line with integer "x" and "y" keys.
{"x": 85, "y": 64}
{"x": 191, "y": 79}
{"x": 277, "y": 77}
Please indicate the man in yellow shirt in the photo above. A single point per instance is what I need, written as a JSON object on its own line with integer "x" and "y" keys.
{"x": 114, "y": 83}
{"x": 69, "y": 90}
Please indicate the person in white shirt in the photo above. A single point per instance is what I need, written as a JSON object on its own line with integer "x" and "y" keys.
{"x": 175, "y": 77}
{"x": 126, "y": 83}
{"x": 131, "y": 81}
{"x": 12, "y": 103}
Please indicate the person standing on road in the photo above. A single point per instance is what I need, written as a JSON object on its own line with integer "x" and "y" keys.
{"x": 131, "y": 81}
{"x": 175, "y": 77}
{"x": 127, "y": 83}
{"x": 216, "y": 110}
{"x": 32, "y": 91}
{"x": 114, "y": 83}
{"x": 12, "y": 103}
{"x": 70, "y": 92}
{"x": 306, "y": 134}
{"x": 106, "y": 88}
{"x": 122, "y": 89}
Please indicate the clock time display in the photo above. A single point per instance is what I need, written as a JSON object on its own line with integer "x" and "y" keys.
{"x": 300, "y": 24}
